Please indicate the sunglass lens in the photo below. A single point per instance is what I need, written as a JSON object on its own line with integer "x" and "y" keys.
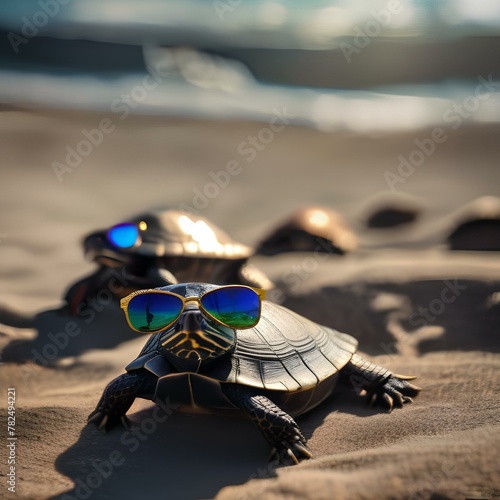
{"x": 123, "y": 235}
{"x": 150, "y": 312}
{"x": 233, "y": 306}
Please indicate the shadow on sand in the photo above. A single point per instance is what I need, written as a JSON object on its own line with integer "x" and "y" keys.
{"x": 176, "y": 455}
{"x": 181, "y": 455}
{"x": 417, "y": 317}
{"x": 60, "y": 335}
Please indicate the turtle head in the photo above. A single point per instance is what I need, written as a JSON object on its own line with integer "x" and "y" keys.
{"x": 195, "y": 339}
{"x": 137, "y": 242}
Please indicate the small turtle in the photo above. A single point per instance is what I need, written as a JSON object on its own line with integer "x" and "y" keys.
{"x": 308, "y": 230}
{"x": 223, "y": 347}
{"x": 477, "y": 226}
{"x": 162, "y": 247}
{"x": 388, "y": 210}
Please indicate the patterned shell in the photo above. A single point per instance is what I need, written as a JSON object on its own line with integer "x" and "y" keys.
{"x": 284, "y": 352}
{"x": 176, "y": 233}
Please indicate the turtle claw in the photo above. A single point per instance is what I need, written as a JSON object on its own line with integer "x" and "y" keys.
{"x": 404, "y": 377}
{"x": 103, "y": 420}
{"x": 118, "y": 397}
{"x": 98, "y": 418}
{"x": 103, "y": 423}
{"x": 394, "y": 393}
{"x": 383, "y": 387}
{"x": 382, "y": 399}
{"x": 95, "y": 417}
{"x": 288, "y": 445}
{"x": 289, "y": 456}
{"x": 126, "y": 422}
{"x": 304, "y": 450}
{"x": 273, "y": 455}
{"x": 292, "y": 456}
{"x": 290, "y": 451}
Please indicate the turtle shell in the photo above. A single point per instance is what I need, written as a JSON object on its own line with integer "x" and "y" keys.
{"x": 168, "y": 233}
{"x": 477, "y": 226}
{"x": 388, "y": 209}
{"x": 177, "y": 233}
{"x": 310, "y": 229}
{"x": 284, "y": 355}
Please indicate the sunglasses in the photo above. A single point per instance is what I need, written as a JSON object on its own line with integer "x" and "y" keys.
{"x": 235, "y": 306}
{"x": 126, "y": 235}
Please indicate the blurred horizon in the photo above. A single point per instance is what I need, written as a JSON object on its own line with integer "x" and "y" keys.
{"x": 339, "y": 65}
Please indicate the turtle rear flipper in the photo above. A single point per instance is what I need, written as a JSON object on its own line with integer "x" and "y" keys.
{"x": 281, "y": 431}
{"x": 118, "y": 397}
{"x": 383, "y": 387}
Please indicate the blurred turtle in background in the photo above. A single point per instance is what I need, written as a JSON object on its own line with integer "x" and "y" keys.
{"x": 160, "y": 248}
{"x": 311, "y": 229}
{"x": 477, "y": 226}
{"x": 388, "y": 210}
{"x": 154, "y": 249}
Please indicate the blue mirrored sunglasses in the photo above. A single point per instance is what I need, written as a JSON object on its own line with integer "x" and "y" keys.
{"x": 235, "y": 306}
{"x": 124, "y": 235}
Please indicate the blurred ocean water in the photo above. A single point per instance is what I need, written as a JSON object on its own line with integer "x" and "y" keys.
{"x": 330, "y": 65}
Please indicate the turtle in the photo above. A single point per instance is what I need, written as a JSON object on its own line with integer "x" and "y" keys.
{"x": 476, "y": 226}
{"x": 310, "y": 229}
{"x": 162, "y": 247}
{"x": 273, "y": 371}
{"x": 388, "y": 210}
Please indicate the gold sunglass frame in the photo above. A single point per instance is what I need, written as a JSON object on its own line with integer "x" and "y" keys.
{"x": 124, "y": 302}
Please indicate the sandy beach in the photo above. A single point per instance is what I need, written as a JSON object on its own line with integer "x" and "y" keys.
{"x": 416, "y": 308}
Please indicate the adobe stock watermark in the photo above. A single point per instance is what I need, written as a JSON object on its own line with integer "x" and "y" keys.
{"x": 223, "y": 7}
{"x": 427, "y": 146}
{"x": 31, "y": 26}
{"x": 122, "y": 106}
{"x": 249, "y": 149}
{"x": 75, "y": 155}
{"x": 132, "y": 439}
{"x": 371, "y": 29}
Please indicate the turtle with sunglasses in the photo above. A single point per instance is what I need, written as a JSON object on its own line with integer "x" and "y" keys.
{"x": 224, "y": 347}
{"x": 161, "y": 247}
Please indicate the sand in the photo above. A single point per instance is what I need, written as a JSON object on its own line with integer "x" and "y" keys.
{"x": 388, "y": 293}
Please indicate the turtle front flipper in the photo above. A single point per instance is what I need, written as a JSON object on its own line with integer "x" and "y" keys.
{"x": 288, "y": 444}
{"x": 118, "y": 397}
{"x": 384, "y": 387}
